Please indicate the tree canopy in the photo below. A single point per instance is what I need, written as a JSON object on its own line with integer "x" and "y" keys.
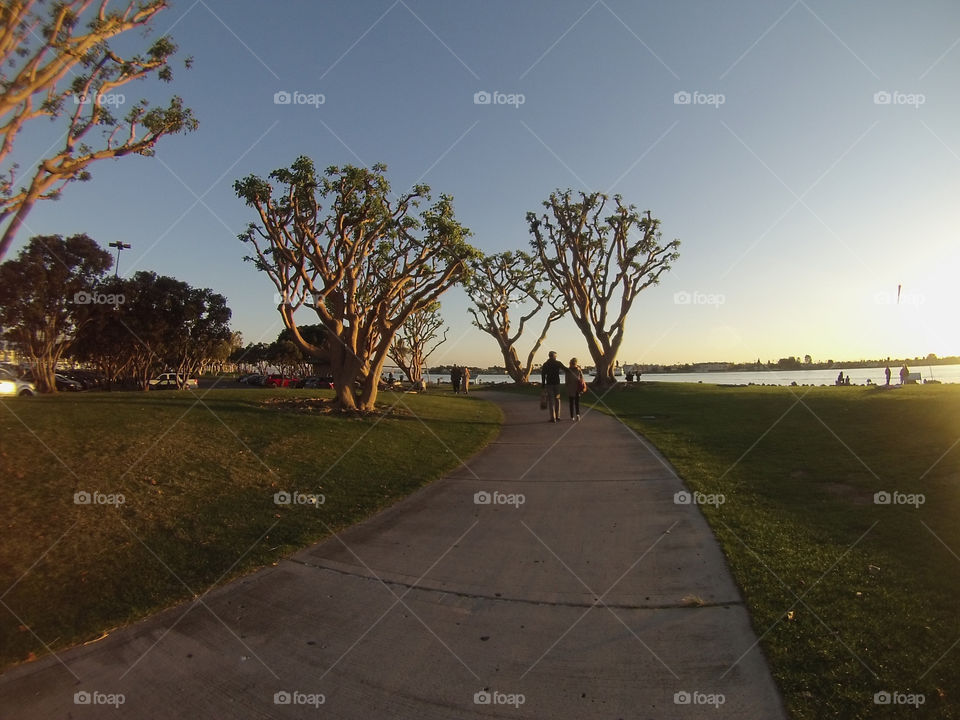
{"x": 362, "y": 259}
{"x": 47, "y": 294}
{"x": 600, "y": 263}
{"x": 56, "y": 61}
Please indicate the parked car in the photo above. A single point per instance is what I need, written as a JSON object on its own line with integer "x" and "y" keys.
{"x": 89, "y": 379}
{"x": 275, "y": 381}
{"x": 247, "y": 378}
{"x": 66, "y": 384}
{"x": 317, "y": 381}
{"x": 11, "y": 385}
{"x": 168, "y": 380}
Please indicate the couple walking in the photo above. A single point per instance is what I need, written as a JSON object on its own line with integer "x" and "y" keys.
{"x": 550, "y": 373}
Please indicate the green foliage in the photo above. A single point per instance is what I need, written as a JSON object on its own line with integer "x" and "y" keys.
{"x": 44, "y": 296}
{"x": 363, "y": 260}
{"x": 162, "y": 323}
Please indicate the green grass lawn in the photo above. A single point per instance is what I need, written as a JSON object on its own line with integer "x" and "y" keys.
{"x": 198, "y": 479}
{"x": 849, "y": 597}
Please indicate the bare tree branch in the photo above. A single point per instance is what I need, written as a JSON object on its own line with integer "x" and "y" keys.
{"x": 501, "y": 283}
{"x": 55, "y": 60}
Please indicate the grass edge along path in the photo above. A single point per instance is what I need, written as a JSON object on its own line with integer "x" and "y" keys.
{"x": 854, "y": 599}
{"x": 213, "y": 485}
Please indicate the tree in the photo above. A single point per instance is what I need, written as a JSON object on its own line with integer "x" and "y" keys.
{"x": 199, "y": 321}
{"x": 317, "y": 337}
{"x": 57, "y": 61}
{"x": 255, "y": 355}
{"x": 46, "y": 295}
{"x": 416, "y": 340}
{"x": 592, "y": 260}
{"x": 103, "y": 340}
{"x": 287, "y": 357}
{"x": 363, "y": 264}
{"x": 162, "y": 324}
{"x": 504, "y": 282}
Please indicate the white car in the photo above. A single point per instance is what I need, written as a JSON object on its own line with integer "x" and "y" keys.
{"x": 168, "y": 380}
{"x": 10, "y": 384}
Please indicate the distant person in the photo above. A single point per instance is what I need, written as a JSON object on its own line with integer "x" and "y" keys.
{"x": 840, "y": 378}
{"x": 886, "y": 371}
{"x": 550, "y": 375}
{"x": 846, "y": 380}
{"x": 456, "y": 375}
{"x": 390, "y": 379}
{"x": 629, "y": 376}
{"x": 575, "y": 384}
{"x": 904, "y": 374}
{"x": 466, "y": 380}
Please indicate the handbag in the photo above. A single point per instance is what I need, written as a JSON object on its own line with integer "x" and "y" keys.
{"x": 583, "y": 386}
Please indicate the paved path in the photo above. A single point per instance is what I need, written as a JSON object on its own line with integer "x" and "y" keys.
{"x": 574, "y": 604}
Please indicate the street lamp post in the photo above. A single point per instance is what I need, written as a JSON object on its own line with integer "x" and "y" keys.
{"x": 119, "y": 246}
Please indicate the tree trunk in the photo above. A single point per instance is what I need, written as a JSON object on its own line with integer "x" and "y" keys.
{"x": 343, "y": 381}
{"x": 370, "y": 387}
{"x": 604, "y": 376}
{"x": 43, "y": 374}
{"x": 511, "y": 362}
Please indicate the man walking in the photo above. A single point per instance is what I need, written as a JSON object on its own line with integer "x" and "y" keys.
{"x": 550, "y": 373}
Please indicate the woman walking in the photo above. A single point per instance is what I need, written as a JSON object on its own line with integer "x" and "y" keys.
{"x": 575, "y": 387}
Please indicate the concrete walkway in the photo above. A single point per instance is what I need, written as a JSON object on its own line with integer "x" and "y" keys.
{"x": 551, "y": 576}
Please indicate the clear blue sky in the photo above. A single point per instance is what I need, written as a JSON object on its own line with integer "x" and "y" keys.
{"x": 801, "y": 201}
